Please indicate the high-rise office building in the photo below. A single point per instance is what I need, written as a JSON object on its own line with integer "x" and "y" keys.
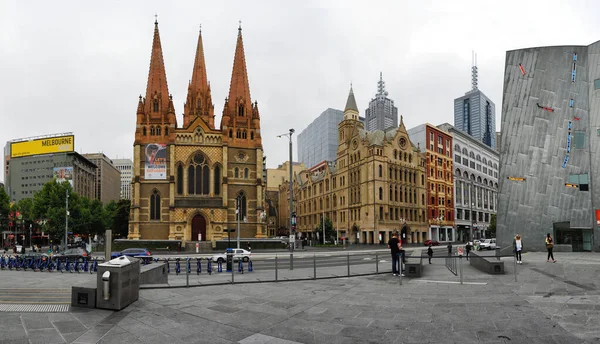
{"x": 550, "y": 151}
{"x": 475, "y": 113}
{"x": 108, "y": 178}
{"x": 125, "y": 166}
{"x": 381, "y": 114}
{"x": 318, "y": 142}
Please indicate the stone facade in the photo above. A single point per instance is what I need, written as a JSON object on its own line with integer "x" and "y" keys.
{"x": 189, "y": 180}
{"x": 376, "y": 186}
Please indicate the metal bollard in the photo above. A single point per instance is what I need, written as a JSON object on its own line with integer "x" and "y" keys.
{"x": 400, "y": 274}
{"x": 291, "y": 261}
{"x": 348, "y": 264}
{"x": 460, "y": 269}
{"x": 275, "y": 268}
{"x": 232, "y": 272}
{"x": 314, "y": 266}
{"x": 376, "y": 262}
{"x": 515, "y": 258}
{"x": 187, "y": 273}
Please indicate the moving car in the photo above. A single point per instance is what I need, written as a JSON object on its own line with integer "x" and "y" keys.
{"x": 73, "y": 254}
{"x": 432, "y": 243}
{"x": 237, "y": 254}
{"x": 131, "y": 252}
{"x": 488, "y": 244}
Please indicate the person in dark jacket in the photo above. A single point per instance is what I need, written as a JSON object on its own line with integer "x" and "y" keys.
{"x": 449, "y": 249}
{"x": 468, "y": 248}
{"x": 430, "y": 253}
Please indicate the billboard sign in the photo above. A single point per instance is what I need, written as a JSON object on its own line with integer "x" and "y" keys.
{"x": 58, "y": 144}
{"x": 155, "y": 162}
{"x": 63, "y": 174}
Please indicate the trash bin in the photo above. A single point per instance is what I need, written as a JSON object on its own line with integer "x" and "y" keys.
{"x": 118, "y": 283}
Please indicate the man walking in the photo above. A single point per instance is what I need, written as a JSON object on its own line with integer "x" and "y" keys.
{"x": 394, "y": 246}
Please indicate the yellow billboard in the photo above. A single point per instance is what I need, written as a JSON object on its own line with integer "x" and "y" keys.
{"x": 58, "y": 144}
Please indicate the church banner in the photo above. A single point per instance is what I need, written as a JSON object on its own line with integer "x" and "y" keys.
{"x": 155, "y": 165}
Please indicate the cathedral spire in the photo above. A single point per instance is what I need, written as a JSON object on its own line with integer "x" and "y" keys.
{"x": 351, "y": 110}
{"x": 199, "y": 101}
{"x": 238, "y": 102}
{"x": 157, "y": 91}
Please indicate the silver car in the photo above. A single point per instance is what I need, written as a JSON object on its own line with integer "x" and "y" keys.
{"x": 237, "y": 254}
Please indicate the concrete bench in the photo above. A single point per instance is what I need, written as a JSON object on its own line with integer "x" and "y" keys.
{"x": 488, "y": 264}
{"x": 414, "y": 265}
{"x": 84, "y": 296}
{"x": 154, "y": 274}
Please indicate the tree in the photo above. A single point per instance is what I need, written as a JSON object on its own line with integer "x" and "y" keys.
{"x": 492, "y": 226}
{"x": 329, "y": 232}
{"x": 4, "y": 208}
{"x": 49, "y": 204}
{"x": 121, "y": 218}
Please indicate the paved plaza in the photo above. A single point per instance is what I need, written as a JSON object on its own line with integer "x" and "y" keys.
{"x": 549, "y": 303}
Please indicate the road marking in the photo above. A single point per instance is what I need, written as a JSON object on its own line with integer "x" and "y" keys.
{"x": 450, "y": 282}
{"x": 34, "y": 303}
{"x": 34, "y": 297}
{"x": 35, "y": 308}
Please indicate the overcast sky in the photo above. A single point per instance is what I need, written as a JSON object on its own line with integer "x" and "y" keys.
{"x": 75, "y": 66}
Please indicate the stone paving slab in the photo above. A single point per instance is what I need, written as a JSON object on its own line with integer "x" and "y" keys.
{"x": 549, "y": 303}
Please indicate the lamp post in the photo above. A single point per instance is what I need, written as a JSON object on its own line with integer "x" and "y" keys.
{"x": 471, "y": 204}
{"x": 238, "y": 212}
{"x": 323, "y": 227}
{"x": 66, "y": 218}
{"x": 292, "y": 230}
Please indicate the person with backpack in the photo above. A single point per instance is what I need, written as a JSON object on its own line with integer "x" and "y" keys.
{"x": 550, "y": 247}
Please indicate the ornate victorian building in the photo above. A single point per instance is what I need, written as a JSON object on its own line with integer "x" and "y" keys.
{"x": 375, "y": 187}
{"x": 189, "y": 180}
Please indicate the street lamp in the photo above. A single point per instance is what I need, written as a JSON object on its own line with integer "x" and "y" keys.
{"x": 471, "y": 204}
{"x": 292, "y": 230}
{"x": 238, "y": 212}
{"x": 66, "y": 218}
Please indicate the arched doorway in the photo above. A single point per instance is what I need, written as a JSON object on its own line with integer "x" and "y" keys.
{"x": 198, "y": 227}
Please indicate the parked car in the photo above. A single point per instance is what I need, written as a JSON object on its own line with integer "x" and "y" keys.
{"x": 73, "y": 254}
{"x": 432, "y": 243}
{"x": 35, "y": 255}
{"x": 237, "y": 254}
{"x": 131, "y": 252}
{"x": 488, "y": 244}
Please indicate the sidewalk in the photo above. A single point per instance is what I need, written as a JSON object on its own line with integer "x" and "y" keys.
{"x": 550, "y": 303}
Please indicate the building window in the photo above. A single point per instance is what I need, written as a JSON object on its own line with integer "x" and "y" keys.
{"x": 579, "y": 139}
{"x": 571, "y": 102}
{"x": 251, "y": 135}
{"x": 380, "y": 213}
{"x": 144, "y": 131}
{"x": 198, "y": 176}
{"x": 380, "y": 171}
{"x": 597, "y": 84}
{"x": 155, "y": 107}
{"x": 155, "y": 205}
{"x": 157, "y": 130}
{"x": 230, "y": 133}
{"x": 246, "y": 173}
{"x": 241, "y": 205}
{"x": 236, "y": 172}
{"x": 380, "y": 193}
{"x": 179, "y": 179}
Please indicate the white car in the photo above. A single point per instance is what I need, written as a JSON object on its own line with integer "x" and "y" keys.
{"x": 488, "y": 244}
{"x": 237, "y": 254}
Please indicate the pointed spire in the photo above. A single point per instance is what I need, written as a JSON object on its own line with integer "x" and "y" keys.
{"x": 351, "y": 102}
{"x": 239, "y": 89}
{"x": 157, "y": 89}
{"x": 199, "y": 100}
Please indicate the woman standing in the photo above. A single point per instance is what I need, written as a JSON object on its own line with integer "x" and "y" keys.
{"x": 518, "y": 247}
{"x": 550, "y": 247}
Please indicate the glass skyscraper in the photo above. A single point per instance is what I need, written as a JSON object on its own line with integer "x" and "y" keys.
{"x": 319, "y": 141}
{"x": 475, "y": 114}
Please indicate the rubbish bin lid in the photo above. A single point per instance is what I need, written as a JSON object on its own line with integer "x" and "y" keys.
{"x": 119, "y": 262}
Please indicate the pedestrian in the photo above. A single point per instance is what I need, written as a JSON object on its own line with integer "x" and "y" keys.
{"x": 468, "y": 248}
{"x": 430, "y": 253}
{"x": 550, "y": 247}
{"x": 449, "y": 249}
{"x": 518, "y": 247}
{"x": 249, "y": 248}
{"x": 395, "y": 246}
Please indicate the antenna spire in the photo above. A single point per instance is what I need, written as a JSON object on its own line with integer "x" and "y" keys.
{"x": 474, "y": 72}
{"x": 381, "y": 86}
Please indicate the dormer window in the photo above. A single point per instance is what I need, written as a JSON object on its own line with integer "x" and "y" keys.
{"x": 155, "y": 105}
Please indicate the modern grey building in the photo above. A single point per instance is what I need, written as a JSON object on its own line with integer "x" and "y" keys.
{"x": 475, "y": 114}
{"x": 108, "y": 178}
{"x": 27, "y": 175}
{"x": 550, "y": 153}
{"x": 475, "y": 167}
{"x": 319, "y": 141}
{"x": 381, "y": 114}
{"x": 125, "y": 166}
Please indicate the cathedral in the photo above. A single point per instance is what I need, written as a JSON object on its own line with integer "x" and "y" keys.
{"x": 193, "y": 181}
